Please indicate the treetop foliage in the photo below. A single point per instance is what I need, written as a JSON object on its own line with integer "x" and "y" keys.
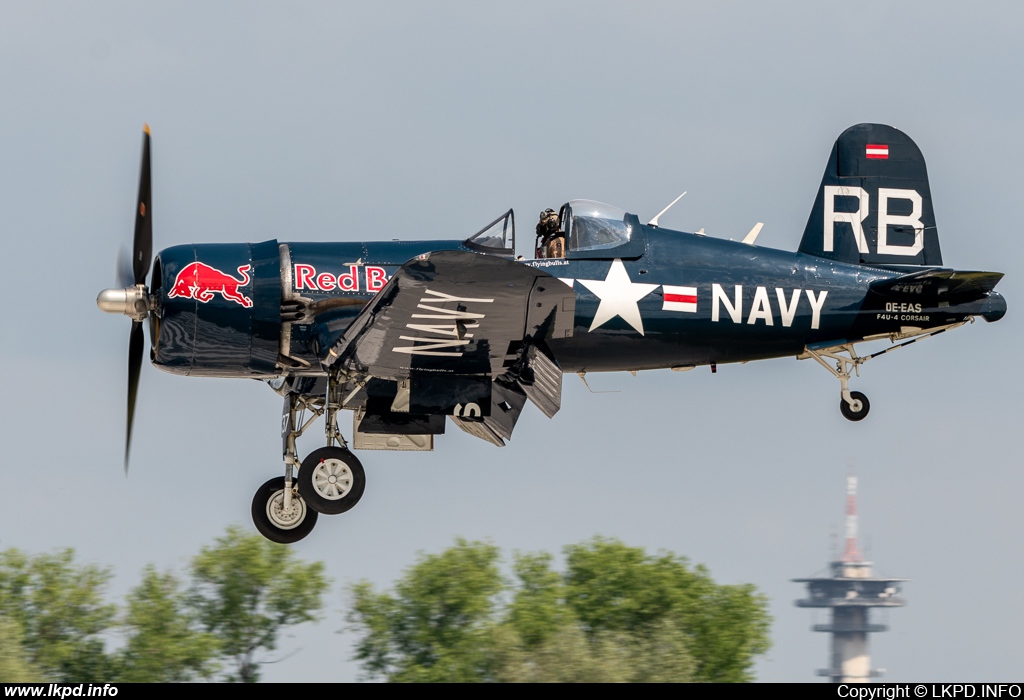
{"x": 246, "y": 589}
{"x": 434, "y": 629}
{"x": 164, "y": 640}
{"x": 242, "y": 592}
{"x": 60, "y": 611}
{"x": 15, "y": 666}
{"x": 615, "y": 614}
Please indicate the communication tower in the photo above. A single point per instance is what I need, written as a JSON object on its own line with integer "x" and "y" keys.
{"x": 851, "y": 591}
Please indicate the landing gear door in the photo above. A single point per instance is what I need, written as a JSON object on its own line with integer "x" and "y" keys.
{"x": 496, "y": 238}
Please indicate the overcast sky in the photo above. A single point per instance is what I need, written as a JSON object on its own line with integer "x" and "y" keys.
{"x": 336, "y": 122}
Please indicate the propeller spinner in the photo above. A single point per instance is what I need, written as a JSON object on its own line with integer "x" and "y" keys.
{"x": 134, "y": 299}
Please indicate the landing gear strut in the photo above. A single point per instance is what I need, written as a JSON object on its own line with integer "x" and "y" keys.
{"x": 331, "y": 479}
{"x": 855, "y": 405}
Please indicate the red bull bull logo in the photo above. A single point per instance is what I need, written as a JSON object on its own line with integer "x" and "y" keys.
{"x": 200, "y": 282}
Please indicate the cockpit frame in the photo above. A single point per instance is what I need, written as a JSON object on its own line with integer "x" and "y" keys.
{"x": 496, "y": 238}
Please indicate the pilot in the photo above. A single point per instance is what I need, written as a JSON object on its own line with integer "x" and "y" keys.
{"x": 550, "y": 238}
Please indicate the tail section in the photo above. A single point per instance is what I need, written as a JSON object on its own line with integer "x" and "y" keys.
{"x": 951, "y": 291}
{"x": 874, "y": 205}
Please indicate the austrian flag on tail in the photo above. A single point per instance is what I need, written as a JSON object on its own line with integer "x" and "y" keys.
{"x": 877, "y": 150}
{"x": 679, "y": 299}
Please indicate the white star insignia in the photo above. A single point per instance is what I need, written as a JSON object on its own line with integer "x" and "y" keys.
{"x": 618, "y": 297}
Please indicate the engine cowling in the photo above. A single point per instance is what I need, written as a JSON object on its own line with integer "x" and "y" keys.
{"x": 218, "y": 309}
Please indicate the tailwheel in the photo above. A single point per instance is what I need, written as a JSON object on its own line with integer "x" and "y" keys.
{"x": 331, "y": 480}
{"x": 857, "y": 408}
{"x": 280, "y": 519}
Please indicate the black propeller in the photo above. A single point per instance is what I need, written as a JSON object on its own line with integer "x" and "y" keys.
{"x": 125, "y": 276}
{"x": 136, "y": 345}
{"x": 142, "y": 248}
{"x": 133, "y": 299}
{"x": 142, "y": 255}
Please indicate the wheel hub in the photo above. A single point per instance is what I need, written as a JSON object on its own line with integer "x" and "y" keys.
{"x": 286, "y": 519}
{"x": 332, "y": 479}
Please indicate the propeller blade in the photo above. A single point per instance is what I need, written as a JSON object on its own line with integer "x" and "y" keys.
{"x": 136, "y": 345}
{"x": 125, "y": 274}
{"x": 142, "y": 249}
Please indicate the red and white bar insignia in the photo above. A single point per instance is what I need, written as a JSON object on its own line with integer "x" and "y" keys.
{"x": 679, "y": 299}
{"x": 877, "y": 150}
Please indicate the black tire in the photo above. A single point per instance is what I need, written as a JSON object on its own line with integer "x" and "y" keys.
{"x": 273, "y": 528}
{"x": 331, "y": 480}
{"x": 849, "y": 413}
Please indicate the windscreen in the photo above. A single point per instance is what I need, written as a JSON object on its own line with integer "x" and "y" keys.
{"x": 597, "y": 226}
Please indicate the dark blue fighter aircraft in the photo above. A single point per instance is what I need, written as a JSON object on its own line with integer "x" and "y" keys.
{"x": 409, "y": 335}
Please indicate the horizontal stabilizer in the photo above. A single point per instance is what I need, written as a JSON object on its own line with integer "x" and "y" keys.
{"x": 959, "y": 285}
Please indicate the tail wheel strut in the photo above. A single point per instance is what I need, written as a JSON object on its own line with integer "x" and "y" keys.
{"x": 855, "y": 405}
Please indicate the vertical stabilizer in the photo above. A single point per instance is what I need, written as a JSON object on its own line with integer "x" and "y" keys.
{"x": 874, "y": 205}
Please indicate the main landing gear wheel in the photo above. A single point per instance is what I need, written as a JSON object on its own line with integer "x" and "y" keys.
{"x": 859, "y": 409}
{"x": 273, "y": 521}
{"x": 331, "y": 480}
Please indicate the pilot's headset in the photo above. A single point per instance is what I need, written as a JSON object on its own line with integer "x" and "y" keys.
{"x": 548, "y": 222}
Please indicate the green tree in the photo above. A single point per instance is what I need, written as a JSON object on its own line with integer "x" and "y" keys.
{"x": 538, "y": 607}
{"x": 14, "y": 664}
{"x": 164, "y": 644}
{"x": 613, "y": 587}
{"x": 556, "y": 646}
{"x": 435, "y": 627}
{"x": 615, "y": 614}
{"x": 568, "y": 655}
{"x": 58, "y": 607}
{"x": 245, "y": 590}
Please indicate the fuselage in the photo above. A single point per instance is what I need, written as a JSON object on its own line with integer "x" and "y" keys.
{"x": 680, "y": 300}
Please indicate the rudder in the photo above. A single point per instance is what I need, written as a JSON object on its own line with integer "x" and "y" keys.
{"x": 874, "y": 205}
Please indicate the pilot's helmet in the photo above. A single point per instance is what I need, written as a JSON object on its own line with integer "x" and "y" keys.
{"x": 549, "y": 220}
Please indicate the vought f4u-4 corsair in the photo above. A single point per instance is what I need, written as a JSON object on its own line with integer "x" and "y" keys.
{"x": 410, "y": 335}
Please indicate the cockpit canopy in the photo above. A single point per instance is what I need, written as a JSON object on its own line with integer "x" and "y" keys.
{"x": 592, "y": 226}
{"x": 592, "y": 230}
